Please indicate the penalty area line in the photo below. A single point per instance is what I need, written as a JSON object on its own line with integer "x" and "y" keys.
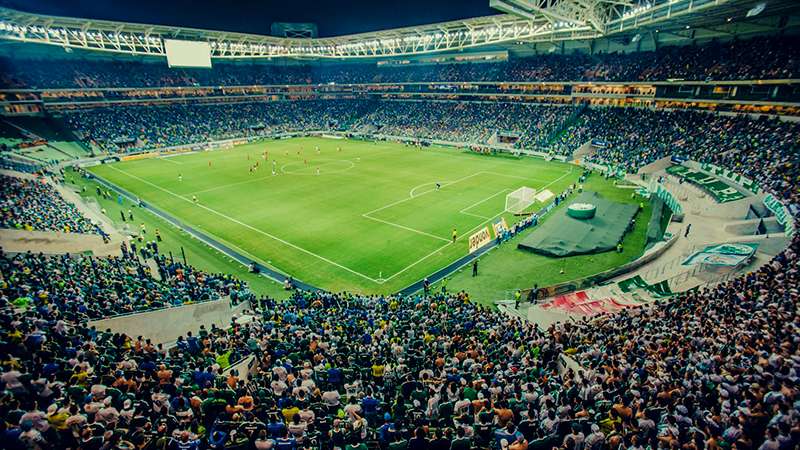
{"x": 413, "y": 230}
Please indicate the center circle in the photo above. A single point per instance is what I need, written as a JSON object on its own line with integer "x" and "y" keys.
{"x": 325, "y": 166}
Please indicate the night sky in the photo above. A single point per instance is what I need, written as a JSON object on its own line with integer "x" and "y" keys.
{"x": 255, "y": 16}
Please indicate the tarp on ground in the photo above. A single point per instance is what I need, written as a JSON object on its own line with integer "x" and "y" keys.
{"x": 562, "y": 235}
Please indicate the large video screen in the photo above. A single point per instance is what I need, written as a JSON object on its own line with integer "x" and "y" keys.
{"x": 187, "y": 53}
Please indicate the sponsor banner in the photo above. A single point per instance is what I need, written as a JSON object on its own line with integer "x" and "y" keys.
{"x": 500, "y": 226}
{"x": 599, "y": 143}
{"x": 677, "y": 159}
{"x": 666, "y": 196}
{"x": 782, "y": 214}
{"x": 722, "y": 255}
{"x": 479, "y": 239}
{"x": 719, "y": 189}
{"x": 732, "y": 176}
{"x": 175, "y": 151}
{"x": 138, "y": 156}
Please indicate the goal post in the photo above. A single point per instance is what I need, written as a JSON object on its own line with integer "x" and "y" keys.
{"x": 520, "y": 199}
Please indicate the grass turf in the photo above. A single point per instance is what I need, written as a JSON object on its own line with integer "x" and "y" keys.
{"x": 506, "y": 268}
{"x": 198, "y": 253}
{"x": 372, "y": 221}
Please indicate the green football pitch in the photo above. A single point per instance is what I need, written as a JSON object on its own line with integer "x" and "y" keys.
{"x": 355, "y": 215}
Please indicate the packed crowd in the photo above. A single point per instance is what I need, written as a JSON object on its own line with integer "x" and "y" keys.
{"x": 757, "y": 58}
{"x": 136, "y": 128}
{"x": 84, "y": 287}
{"x": 531, "y": 125}
{"x": 118, "y": 129}
{"x": 32, "y": 204}
{"x": 712, "y": 369}
{"x": 764, "y": 150}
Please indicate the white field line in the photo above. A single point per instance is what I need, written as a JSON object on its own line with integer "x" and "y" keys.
{"x": 464, "y": 211}
{"x": 473, "y": 215}
{"x": 250, "y": 227}
{"x": 418, "y": 261}
{"x": 489, "y": 219}
{"x": 403, "y": 200}
{"x": 216, "y": 188}
{"x": 469, "y": 232}
{"x": 501, "y": 212}
{"x": 168, "y": 159}
{"x": 405, "y": 228}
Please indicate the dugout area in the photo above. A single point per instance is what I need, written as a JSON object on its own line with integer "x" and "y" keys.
{"x": 561, "y": 235}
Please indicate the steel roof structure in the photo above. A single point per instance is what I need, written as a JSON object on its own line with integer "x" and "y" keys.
{"x": 525, "y": 21}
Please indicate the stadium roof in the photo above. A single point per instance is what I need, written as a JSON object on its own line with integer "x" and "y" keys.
{"x": 525, "y": 21}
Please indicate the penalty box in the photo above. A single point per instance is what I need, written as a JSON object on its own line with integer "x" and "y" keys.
{"x": 464, "y": 204}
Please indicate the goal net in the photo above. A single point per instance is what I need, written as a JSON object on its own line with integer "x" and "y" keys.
{"x": 520, "y": 199}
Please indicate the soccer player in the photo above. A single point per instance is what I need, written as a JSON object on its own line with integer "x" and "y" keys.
{"x": 317, "y": 170}
{"x": 194, "y": 199}
{"x": 455, "y": 235}
{"x": 180, "y": 178}
{"x": 209, "y": 163}
{"x": 438, "y": 186}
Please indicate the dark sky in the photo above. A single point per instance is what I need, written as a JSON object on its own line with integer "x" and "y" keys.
{"x": 333, "y": 17}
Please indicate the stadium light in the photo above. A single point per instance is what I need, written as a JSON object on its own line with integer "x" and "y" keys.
{"x": 756, "y": 10}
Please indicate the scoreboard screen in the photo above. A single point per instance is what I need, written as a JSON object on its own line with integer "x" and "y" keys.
{"x": 187, "y": 53}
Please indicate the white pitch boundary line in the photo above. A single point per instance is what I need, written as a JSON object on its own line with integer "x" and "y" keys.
{"x": 464, "y": 211}
{"x": 216, "y": 188}
{"x": 501, "y": 212}
{"x": 250, "y": 227}
{"x": 367, "y": 216}
{"x": 467, "y": 233}
{"x": 403, "y": 200}
{"x": 475, "y": 228}
{"x": 418, "y": 261}
{"x": 474, "y": 215}
{"x": 167, "y": 159}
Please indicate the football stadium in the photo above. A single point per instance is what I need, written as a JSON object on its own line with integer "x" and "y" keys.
{"x": 488, "y": 225}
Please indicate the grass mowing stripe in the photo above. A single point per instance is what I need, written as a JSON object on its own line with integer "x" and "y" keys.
{"x": 322, "y": 215}
{"x": 236, "y": 221}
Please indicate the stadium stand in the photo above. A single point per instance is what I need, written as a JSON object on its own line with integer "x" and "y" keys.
{"x": 713, "y": 368}
{"x": 751, "y": 59}
{"x": 760, "y": 148}
{"x": 32, "y": 204}
{"x": 83, "y": 287}
{"x": 416, "y": 369}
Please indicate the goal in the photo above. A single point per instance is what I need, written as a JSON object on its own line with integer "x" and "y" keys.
{"x": 518, "y": 200}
